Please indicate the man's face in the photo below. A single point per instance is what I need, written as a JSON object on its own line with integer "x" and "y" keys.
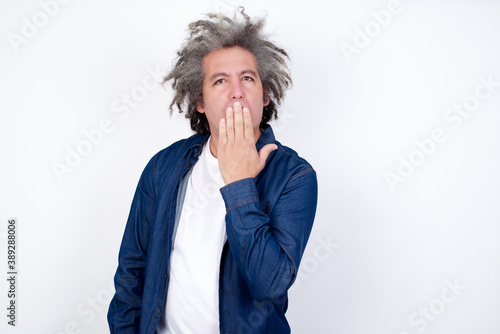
{"x": 231, "y": 76}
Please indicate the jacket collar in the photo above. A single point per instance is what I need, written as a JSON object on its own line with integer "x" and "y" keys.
{"x": 198, "y": 142}
{"x": 267, "y": 137}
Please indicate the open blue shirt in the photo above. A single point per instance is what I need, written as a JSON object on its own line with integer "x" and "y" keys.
{"x": 268, "y": 222}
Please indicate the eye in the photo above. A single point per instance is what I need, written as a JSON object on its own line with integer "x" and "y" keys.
{"x": 219, "y": 81}
{"x": 247, "y": 78}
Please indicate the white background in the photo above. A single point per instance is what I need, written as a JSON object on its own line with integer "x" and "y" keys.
{"x": 378, "y": 258}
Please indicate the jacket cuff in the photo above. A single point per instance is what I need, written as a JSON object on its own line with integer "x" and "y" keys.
{"x": 239, "y": 193}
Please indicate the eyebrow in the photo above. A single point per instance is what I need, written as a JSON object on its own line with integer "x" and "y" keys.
{"x": 224, "y": 74}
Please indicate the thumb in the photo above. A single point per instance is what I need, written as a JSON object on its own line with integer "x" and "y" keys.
{"x": 265, "y": 151}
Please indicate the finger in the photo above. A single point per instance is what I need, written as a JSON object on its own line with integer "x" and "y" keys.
{"x": 222, "y": 132}
{"x": 247, "y": 120}
{"x": 238, "y": 120}
{"x": 264, "y": 153}
{"x": 229, "y": 125}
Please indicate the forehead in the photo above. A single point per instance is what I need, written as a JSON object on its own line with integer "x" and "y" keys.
{"x": 228, "y": 60}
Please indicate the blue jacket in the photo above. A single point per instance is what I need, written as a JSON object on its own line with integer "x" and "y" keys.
{"x": 268, "y": 222}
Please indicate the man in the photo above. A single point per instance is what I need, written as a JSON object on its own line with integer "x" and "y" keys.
{"x": 220, "y": 220}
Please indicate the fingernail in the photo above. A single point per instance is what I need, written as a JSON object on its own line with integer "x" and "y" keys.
{"x": 237, "y": 104}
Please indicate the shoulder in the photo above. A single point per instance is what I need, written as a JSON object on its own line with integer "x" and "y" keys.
{"x": 283, "y": 162}
{"x": 174, "y": 155}
{"x": 178, "y": 151}
{"x": 287, "y": 161}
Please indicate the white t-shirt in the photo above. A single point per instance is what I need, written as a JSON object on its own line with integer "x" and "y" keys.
{"x": 192, "y": 303}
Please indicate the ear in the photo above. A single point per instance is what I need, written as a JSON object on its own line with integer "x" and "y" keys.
{"x": 200, "y": 106}
{"x": 266, "y": 98}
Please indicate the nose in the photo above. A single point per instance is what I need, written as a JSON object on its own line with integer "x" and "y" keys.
{"x": 236, "y": 91}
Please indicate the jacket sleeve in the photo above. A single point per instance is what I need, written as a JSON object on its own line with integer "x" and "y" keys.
{"x": 125, "y": 307}
{"x": 268, "y": 248}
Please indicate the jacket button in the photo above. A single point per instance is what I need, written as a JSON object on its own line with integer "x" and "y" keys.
{"x": 166, "y": 275}
{"x": 157, "y": 311}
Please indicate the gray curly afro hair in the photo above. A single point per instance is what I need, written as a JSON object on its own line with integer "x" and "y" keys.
{"x": 219, "y": 32}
